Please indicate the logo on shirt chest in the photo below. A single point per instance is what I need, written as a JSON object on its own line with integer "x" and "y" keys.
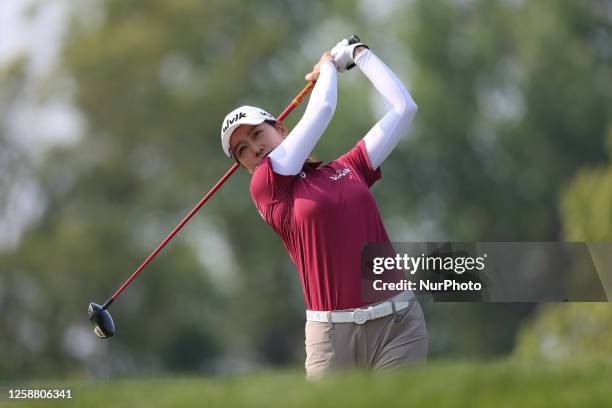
{"x": 340, "y": 173}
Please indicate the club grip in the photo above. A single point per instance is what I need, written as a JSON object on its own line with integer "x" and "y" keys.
{"x": 353, "y": 39}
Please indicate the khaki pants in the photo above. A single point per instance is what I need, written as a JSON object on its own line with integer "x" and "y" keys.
{"x": 393, "y": 341}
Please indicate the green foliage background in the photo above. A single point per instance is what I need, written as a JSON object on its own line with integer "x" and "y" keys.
{"x": 514, "y": 106}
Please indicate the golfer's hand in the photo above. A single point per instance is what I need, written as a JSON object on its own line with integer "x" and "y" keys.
{"x": 313, "y": 75}
{"x": 344, "y": 54}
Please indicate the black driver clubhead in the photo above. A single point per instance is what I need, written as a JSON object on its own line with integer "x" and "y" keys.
{"x": 101, "y": 321}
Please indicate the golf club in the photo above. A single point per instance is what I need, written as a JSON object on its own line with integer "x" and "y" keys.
{"x": 99, "y": 317}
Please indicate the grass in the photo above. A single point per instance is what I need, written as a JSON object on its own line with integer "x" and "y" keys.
{"x": 499, "y": 384}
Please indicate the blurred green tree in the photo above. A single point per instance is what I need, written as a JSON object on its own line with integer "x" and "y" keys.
{"x": 564, "y": 331}
{"x": 567, "y": 332}
{"x": 514, "y": 97}
{"x": 154, "y": 79}
{"x": 586, "y": 203}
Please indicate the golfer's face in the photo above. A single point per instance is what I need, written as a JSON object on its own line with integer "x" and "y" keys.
{"x": 251, "y": 143}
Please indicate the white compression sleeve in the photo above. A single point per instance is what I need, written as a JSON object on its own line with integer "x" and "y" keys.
{"x": 385, "y": 135}
{"x": 289, "y": 157}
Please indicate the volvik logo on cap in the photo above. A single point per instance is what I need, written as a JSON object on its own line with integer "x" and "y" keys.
{"x": 244, "y": 115}
{"x": 229, "y": 122}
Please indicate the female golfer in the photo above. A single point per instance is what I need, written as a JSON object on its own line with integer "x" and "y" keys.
{"x": 325, "y": 214}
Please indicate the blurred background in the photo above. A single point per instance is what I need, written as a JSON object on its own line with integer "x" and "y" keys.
{"x": 109, "y": 133}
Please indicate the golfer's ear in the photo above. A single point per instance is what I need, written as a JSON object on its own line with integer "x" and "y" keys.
{"x": 282, "y": 129}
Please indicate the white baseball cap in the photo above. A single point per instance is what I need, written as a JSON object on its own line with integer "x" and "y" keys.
{"x": 244, "y": 115}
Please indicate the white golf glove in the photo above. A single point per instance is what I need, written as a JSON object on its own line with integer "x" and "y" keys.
{"x": 343, "y": 54}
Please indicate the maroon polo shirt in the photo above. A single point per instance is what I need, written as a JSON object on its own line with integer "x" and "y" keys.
{"x": 324, "y": 216}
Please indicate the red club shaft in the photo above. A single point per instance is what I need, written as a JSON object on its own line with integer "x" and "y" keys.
{"x": 295, "y": 102}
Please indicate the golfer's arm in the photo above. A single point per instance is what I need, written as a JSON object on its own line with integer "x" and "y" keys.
{"x": 289, "y": 157}
{"x": 384, "y": 136}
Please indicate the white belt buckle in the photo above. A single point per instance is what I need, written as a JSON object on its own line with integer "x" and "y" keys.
{"x": 316, "y": 316}
{"x": 360, "y": 316}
